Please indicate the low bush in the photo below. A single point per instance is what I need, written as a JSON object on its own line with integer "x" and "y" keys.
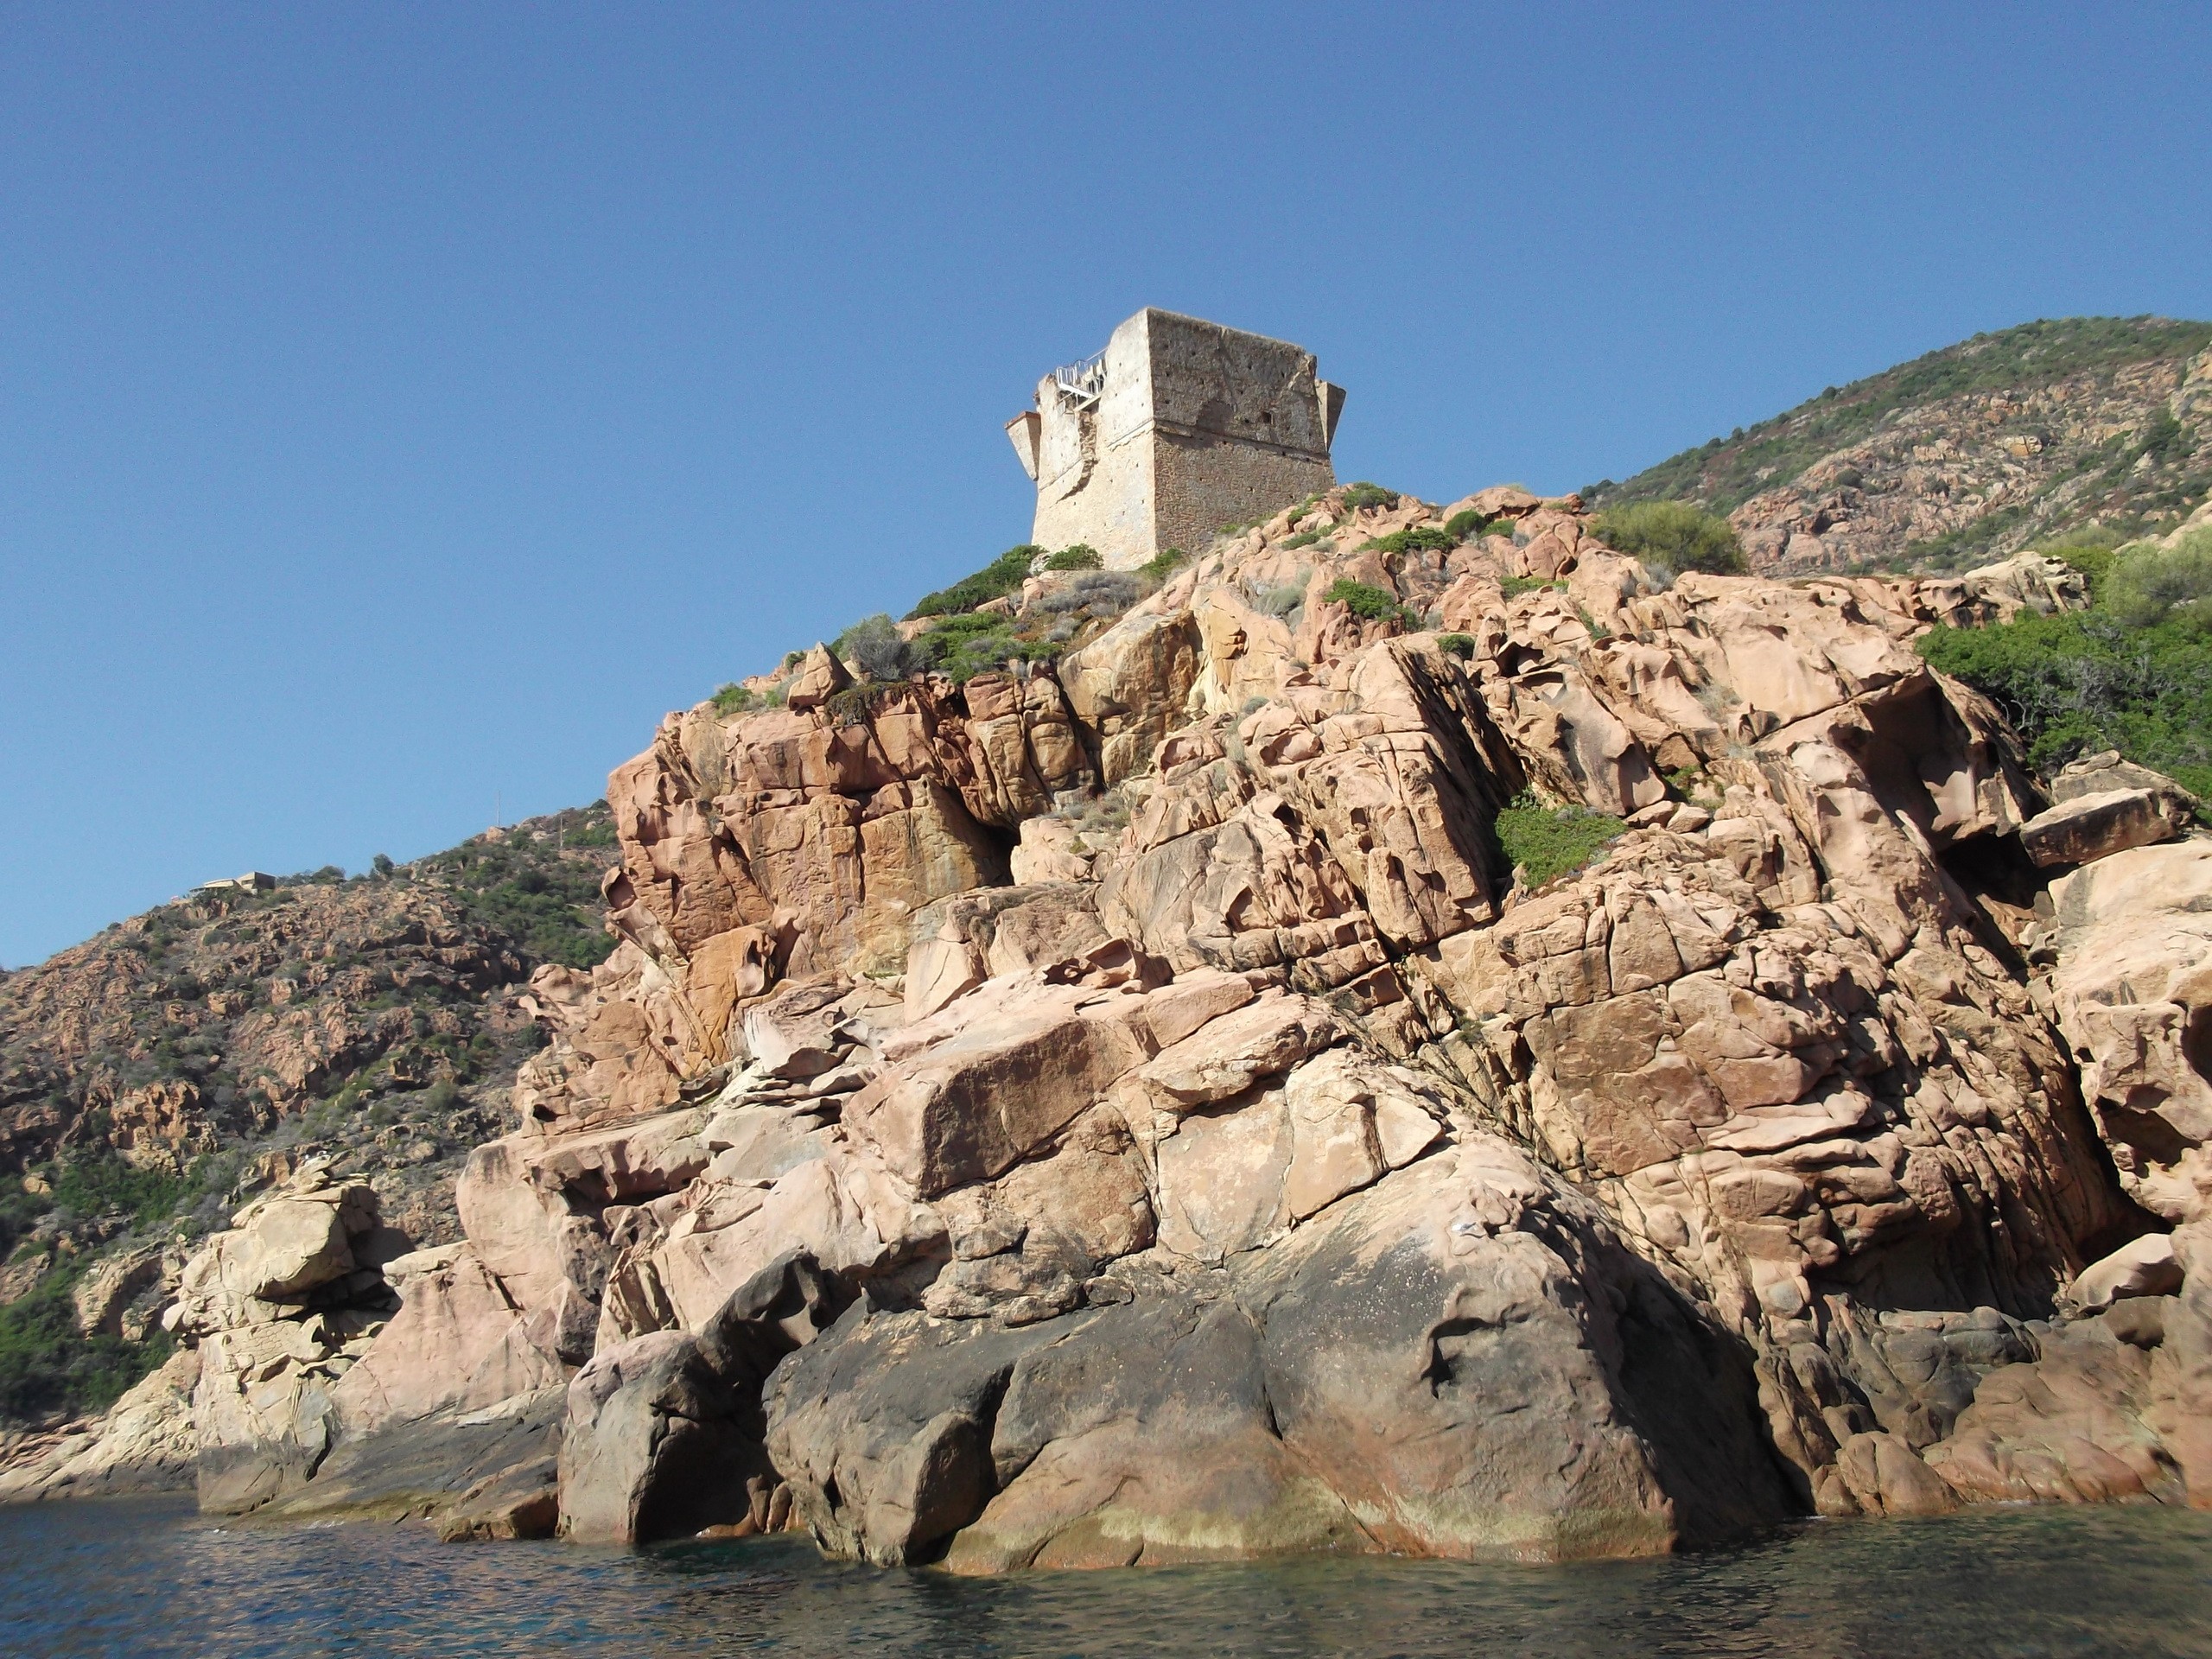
{"x": 1081, "y": 556}
{"x": 1674, "y": 534}
{"x": 1304, "y": 539}
{"x": 1469, "y": 526}
{"x": 1362, "y": 495}
{"x": 1461, "y": 645}
{"x": 1161, "y": 565}
{"x": 1375, "y": 604}
{"x": 962, "y": 646}
{"x": 2145, "y": 586}
{"x": 1421, "y": 539}
{"x": 1514, "y": 587}
{"x": 875, "y": 648}
{"x": 734, "y": 699}
{"x": 1547, "y": 843}
{"x": 1001, "y": 575}
{"x": 1281, "y": 600}
{"x": 1095, "y": 593}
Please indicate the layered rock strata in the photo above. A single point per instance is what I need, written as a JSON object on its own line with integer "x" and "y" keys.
{"x": 1139, "y": 1113}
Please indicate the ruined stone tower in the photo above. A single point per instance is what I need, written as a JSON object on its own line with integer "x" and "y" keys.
{"x": 1179, "y": 427}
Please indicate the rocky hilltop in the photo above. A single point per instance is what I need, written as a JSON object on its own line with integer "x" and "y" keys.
{"x": 156, "y": 1077}
{"x": 1967, "y": 453}
{"x": 1416, "y": 1033}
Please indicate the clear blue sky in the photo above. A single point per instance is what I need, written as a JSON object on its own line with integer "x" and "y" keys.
{"x": 401, "y": 406}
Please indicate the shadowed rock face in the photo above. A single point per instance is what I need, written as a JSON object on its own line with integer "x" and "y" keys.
{"x": 1269, "y": 1165}
{"x": 1453, "y": 1363}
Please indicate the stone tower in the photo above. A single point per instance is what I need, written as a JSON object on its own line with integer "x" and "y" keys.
{"x": 1179, "y": 427}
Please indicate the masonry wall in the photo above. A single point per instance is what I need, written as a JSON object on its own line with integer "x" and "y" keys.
{"x": 1199, "y": 484}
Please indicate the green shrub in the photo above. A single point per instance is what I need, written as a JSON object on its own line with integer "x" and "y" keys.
{"x": 2090, "y": 552}
{"x": 1304, "y": 539}
{"x": 1162, "y": 564}
{"x": 875, "y": 646}
{"x": 1461, "y": 645}
{"x": 1516, "y": 586}
{"x": 1362, "y": 495}
{"x": 1362, "y": 600}
{"x": 1081, "y": 556}
{"x": 1003, "y": 575}
{"x": 599, "y": 834}
{"x": 1547, "y": 843}
{"x": 1468, "y": 525}
{"x": 1421, "y": 539}
{"x": 2145, "y": 585}
{"x": 963, "y": 647}
{"x": 734, "y": 699}
{"x": 2133, "y": 673}
{"x": 1672, "y": 534}
{"x": 2162, "y": 437}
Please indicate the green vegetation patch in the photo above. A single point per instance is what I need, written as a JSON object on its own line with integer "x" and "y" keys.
{"x": 1003, "y": 575}
{"x": 548, "y": 904}
{"x": 963, "y": 647}
{"x": 1081, "y": 556}
{"x": 1162, "y": 564}
{"x": 100, "y": 1183}
{"x": 1421, "y": 539}
{"x": 1376, "y": 604}
{"x": 2133, "y": 673}
{"x": 1469, "y": 526}
{"x": 1362, "y": 495}
{"x": 1672, "y": 534}
{"x": 49, "y": 1368}
{"x": 1545, "y": 842}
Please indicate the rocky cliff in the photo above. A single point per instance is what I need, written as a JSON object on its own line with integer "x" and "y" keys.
{"x": 1995, "y": 444}
{"x": 1417, "y": 1035}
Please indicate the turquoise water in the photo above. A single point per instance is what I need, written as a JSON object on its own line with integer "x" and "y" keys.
{"x": 153, "y": 1579}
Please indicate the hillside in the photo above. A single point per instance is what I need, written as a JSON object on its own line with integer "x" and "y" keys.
{"x": 1967, "y": 453}
{"x": 153, "y": 1077}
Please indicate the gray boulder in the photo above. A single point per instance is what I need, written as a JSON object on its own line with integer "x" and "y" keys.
{"x": 1460, "y": 1361}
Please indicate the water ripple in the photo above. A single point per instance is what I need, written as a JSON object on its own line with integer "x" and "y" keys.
{"x": 152, "y": 1579}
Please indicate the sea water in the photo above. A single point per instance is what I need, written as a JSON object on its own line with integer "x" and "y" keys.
{"x": 152, "y": 1578}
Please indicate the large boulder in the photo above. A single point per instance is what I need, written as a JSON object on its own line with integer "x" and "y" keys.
{"x": 1459, "y": 1362}
{"x": 2133, "y": 986}
{"x": 280, "y": 1307}
{"x": 2089, "y": 827}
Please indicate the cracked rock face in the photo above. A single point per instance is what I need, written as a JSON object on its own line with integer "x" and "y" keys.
{"x": 967, "y": 1164}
